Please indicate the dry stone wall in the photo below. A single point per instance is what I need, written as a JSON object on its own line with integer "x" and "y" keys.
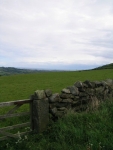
{"x": 82, "y": 96}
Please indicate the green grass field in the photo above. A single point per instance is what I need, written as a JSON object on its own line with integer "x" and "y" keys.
{"x": 92, "y": 131}
{"x": 17, "y": 87}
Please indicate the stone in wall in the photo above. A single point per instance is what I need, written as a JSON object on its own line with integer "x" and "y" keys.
{"x": 97, "y": 83}
{"x": 53, "y": 111}
{"x": 93, "y": 84}
{"x": 55, "y": 98}
{"x": 59, "y": 105}
{"x": 65, "y": 96}
{"x": 67, "y": 91}
{"x": 88, "y": 84}
{"x": 82, "y": 94}
{"x": 48, "y": 92}
{"x": 85, "y": 100}
{"x": 62, "y": 109}
{"x": 76, "y": 98}
{"x": 78, "y": 84}
{"x": 90, "y": 91}
{"x": 39, "y": 94}
{"x": 76, "y": 103}
{"x": 104, "y": 84}
{"x": 73, "y": 90}
{"x": 109, "y": 82}
{"x": 67, "y": 100}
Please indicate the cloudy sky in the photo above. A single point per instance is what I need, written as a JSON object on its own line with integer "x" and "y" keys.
{"x": 56, "y": 34}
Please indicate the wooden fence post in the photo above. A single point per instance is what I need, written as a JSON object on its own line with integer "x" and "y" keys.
{"x": 40, "y": 111}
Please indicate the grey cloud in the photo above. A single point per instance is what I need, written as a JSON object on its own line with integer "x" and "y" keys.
{"x": 106, "y": 41}
{"x": 56, "y": 31}
{"x": 103, "y": 43}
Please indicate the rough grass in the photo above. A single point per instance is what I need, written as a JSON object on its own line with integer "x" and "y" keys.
{"x": 84, "y": 131}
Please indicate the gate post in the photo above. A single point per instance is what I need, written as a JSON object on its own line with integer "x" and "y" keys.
{"x": 40, "y": 111}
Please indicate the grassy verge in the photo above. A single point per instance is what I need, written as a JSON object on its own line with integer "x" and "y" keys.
{"x": 84, "y": 131}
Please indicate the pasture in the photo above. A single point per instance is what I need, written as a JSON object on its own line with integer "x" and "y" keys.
{"x": 17, "y": 87}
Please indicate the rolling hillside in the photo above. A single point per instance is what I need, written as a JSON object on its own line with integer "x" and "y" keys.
{"x": 108, "y": 66}
{"x": 12, "y": 70}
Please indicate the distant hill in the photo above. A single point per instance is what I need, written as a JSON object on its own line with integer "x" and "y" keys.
{"x": 108, "y": 66}
{"x": 12, "y": 70}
